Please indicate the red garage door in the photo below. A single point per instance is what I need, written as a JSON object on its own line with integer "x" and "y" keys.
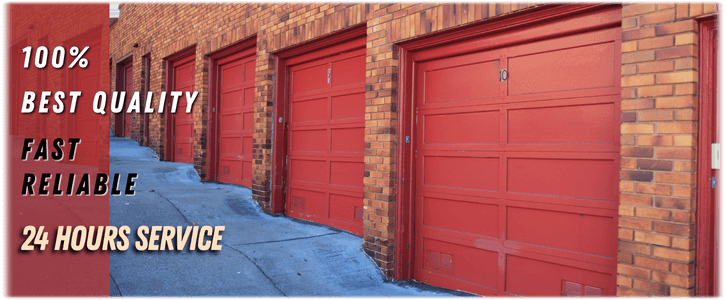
{"x": 236, "y": 104}
{"x": 183, "y": 122}
{"x": 325, "y": 140}
{"x": 517, "y": 179}
{"x": 129, "y": 88}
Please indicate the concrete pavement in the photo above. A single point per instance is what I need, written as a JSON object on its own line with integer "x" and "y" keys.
{"x": 261, "y": 255}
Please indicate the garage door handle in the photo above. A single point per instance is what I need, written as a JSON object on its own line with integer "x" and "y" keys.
{"x": 503, "y": 75}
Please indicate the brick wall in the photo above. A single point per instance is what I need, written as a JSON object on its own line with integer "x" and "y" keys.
{"x": 659, "y": 105}
{"x": 659, "y": 137}
{"x": 164, "y": 29}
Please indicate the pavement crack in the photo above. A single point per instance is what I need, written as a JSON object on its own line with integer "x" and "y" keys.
{"x": 175, "y": 207}
{"x": 285, "y": 240}
{"x": 116, "y": 284}
{"x": 258, "y": 268}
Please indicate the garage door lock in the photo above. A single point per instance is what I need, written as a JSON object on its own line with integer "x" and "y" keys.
{"x": 503, "y": 75}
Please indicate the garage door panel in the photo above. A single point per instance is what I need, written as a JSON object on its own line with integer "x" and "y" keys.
{"x": 562, "y": 70}
{"x": 247, "y": 146}
{"x": 462, "y": 216}
{"x": 249, "y": 96}
{"x": 562, "y": 230}
{"x": 309, "y": 202}
{"x": 462, "y": 128}
{"x": 594, "y": 179}
{"x": 465, "y": 82}
{"x": 346, "y": 208}
{"x": 310, "y": 110}
{"x": 460, "y": 262}
{"x": 232, "y": 99}
{"x": 461, "y": 172}
{"x": 230, "y": 145}
{"x": 249, "y": 67}
{"x": 347, "y": 173}
{"x": 348, "y": 71}
{"x": 352, "y": 106}
{"x": 590, "y": 123}
{"x": 230, "y": 122}
{"x": 309, "y": 140}
{"x": 230, "y": 169}
{"x": 232, "y": 75}
{"x": 309, "y": 78}
{"x": 527, "y": 276}
{"x": 347, "y": 140}
{"x": 308, "y": 170}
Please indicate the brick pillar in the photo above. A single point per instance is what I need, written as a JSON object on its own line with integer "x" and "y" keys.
{"x": 659, "y": 136}
{"x": 380, "y": 147}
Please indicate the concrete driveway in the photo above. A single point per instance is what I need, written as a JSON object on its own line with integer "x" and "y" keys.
{"x": 261, "y": 255}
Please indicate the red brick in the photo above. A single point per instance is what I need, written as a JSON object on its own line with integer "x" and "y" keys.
{"x": 625, "y": 281}
{"x": 629, "y": 46}
{"x": 628, "y": 117}
{"x": 658, "y": 17}
{"x": 674, "y": 203}
{"x": 656, "y": 43}
{"x": 652, "y": 213}
{"x": 655, "y": 91}
{"x": 629, "y": 23}
{"x": 656, "y": 67}
{"x": 677, "y": 27}
{"x": 677, "y": 102}
{"x": 652, "y": 287}
{"x": 625, "y": 234}
{"x": 656, "y": 165}
{"x": 682, "y": 11}
{"x": 673, "y": 228}
{"x": 636, "y": 199}
{"x": 636, "y": 175}
{"x": 636, "y": 152}
{"x": 637, "y": 128}
{"x": 651, "y": 263}
{"x": 625, "y": 258}
{"x": 676, "y": 77}
{"x": 682, "y": 269}
{"x": 629, "y": 69}
{"x": 636, "y": 224}
{"x": 637, "y": 9}
{"x": 637, "y": 80}
{"x": 666, "y": 128}
{"x": 676, "y": 153}
{"x": 629, "y": 292}
{"x": 686, "y": 89}
{"x": 655, "y": 140}
{"x": 627, "y": 163}
{"x": 633, "y": 271}
{"x": 627, "y": 140}
{"x": 655, "y": 115}
{"x": 640, "y": 56}
{"x": 653, "y": 189}
{"x": 696, "y": 10}
{"x": 676, "y": 178}
{"x": 686, "y": 63}
{"x": 672, "y": 279}
{"x": 676, "y": 52}
{"x": 688, "y": 38}
{"x": 683, "y": 244}
{"x": 637, "y": 104}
